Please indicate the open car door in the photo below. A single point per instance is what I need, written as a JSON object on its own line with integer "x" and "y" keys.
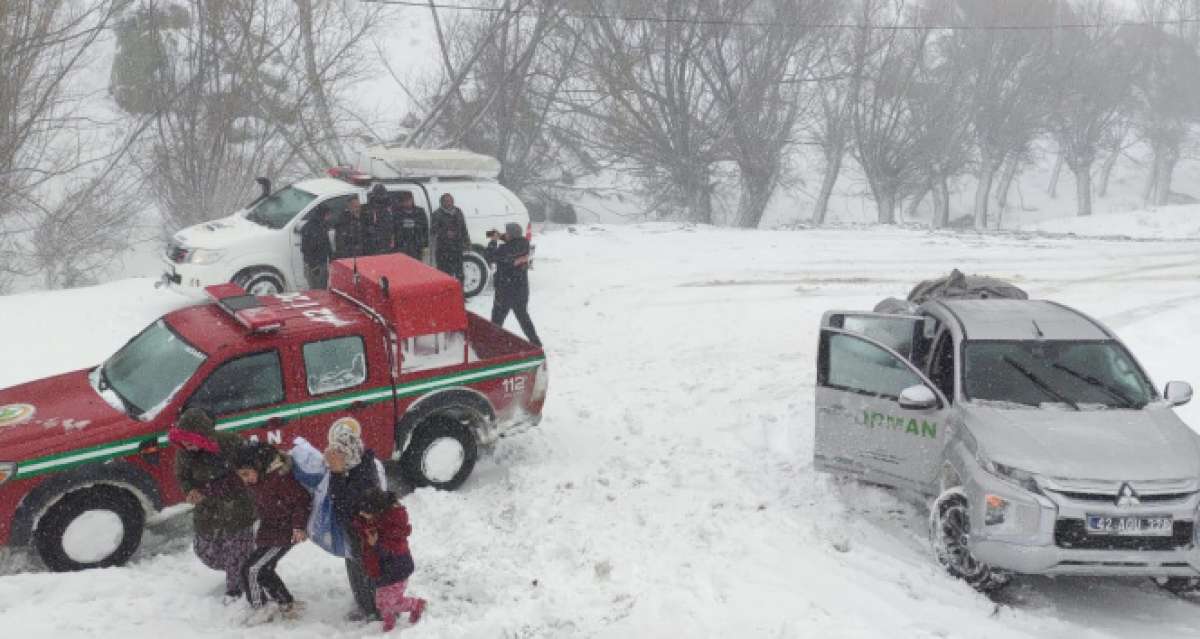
{"x": 877, "y": 417}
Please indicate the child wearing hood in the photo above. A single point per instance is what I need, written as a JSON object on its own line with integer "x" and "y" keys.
{"x": 283, "y": 507}
{"x": 382, "y": 528}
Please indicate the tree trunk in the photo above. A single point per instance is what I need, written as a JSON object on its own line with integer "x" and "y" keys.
{"x": 1083, "y": 189}
{"x": 833, "y": 166}
{"x": 756, "y": 188}
{"x": 1165, "y": 174}
{"x": 941, "y": 204}
{"x": 1054, "y": 175}
{"x": 1106, "y": 171}
{"x": 886, "y": 204}
{"x": 1148, "y": 198}
{"x": 915, "y": 203}
{"x": 987, "y": 173}
{"x": 329, "y": 134}
{"x": 1006, "y": 180}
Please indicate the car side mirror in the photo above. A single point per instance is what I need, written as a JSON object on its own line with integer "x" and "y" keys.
{"x": 299, "y": 227}
{"x": 1178, "y": 393}
{"x": 918, "y": 397}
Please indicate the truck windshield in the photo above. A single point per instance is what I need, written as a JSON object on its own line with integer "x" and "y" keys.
{"x": 277, "y": 209}
{"x": 150, "y": 368}
{"x": 1076, "y": 374}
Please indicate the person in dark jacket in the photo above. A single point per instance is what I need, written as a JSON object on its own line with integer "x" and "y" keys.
{"x": 382, "y": 529}
{"x": 222, "y": 513}
{"x": 316, "y": 248}
{"x": 450, "y": 237}
{"x": 412, "y": 227}
{"x": 352, "y": 474}
{"x": 352, "y": 232}
{"x": 512, "y": 278}
{"x": 283, "y": 507}
{"x": 381, "y": 221}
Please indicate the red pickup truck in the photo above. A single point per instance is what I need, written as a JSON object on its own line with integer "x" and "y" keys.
{"x": 83, "y": 456}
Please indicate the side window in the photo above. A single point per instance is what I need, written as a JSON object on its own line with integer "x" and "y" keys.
{"x": 898, "y": 333}
{"x": 335, "y": 364}
{"x": 857, "y": 365}
{"x": 241, "y": 384}
{"x": 336, "y": 205}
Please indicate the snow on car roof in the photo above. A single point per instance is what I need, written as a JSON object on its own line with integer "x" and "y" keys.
{"x": 1008, "y": 319}
{"x": 326, "y": 186}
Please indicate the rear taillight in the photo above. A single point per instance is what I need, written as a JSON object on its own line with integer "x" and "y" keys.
{"x": 541, "y": 382}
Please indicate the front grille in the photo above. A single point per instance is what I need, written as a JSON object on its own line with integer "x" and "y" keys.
{"x": 176, "y": 253}
{"x": 1111, "y": 497}
{"x": 1072, "y": 533}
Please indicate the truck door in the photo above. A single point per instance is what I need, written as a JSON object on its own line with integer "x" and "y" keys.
{"x": 343, "y": 376}
{"x": 244, "y": 393}
{"x": 337, "y": 207}
{"x": 877, "y": 416}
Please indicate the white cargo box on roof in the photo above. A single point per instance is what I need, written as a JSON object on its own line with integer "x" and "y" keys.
{"x": 393, "y": 162}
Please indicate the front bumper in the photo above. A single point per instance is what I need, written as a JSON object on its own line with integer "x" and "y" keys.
{"x": 1044, "y": 534}
{"x": 193, "y": 275}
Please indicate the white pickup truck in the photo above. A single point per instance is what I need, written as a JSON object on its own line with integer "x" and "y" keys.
{"x": 258, "y": 248}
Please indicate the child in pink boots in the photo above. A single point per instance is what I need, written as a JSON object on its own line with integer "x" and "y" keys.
{"x": 382, "y": 528}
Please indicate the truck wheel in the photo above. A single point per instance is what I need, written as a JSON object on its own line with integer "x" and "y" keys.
{"x": 950, "y": 534}
{"x": 475, "y": 274}
{"x": 93, "y": 527}
{"x": 259, "y": 281}
{"x": 1178, "y": 585}
{"x": 442, "y": 454}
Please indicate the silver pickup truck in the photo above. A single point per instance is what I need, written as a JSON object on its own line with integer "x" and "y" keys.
{"x": 1043, "y": 442}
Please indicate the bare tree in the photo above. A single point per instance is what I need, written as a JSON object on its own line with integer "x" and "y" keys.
{"x": 1094, "y": 70}
{"x": 653, "y": 113}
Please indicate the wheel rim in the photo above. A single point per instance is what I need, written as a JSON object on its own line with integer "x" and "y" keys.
{"x": 952, "y": 537}
{"x": 263, "y": 287}
{"x": 472, "y": 276}
{"x": 442, "y": 459}
{"x": 93, "y": 536}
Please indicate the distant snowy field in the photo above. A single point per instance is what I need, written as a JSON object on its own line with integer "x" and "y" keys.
{"x": 669, "y": 491}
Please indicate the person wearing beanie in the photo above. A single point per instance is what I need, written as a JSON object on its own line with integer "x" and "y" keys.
{"x": 509, "y": 251}
{"x": 352, "y": 473}
{"x": 382, "y": 529}
{"x": 222, "y": 513}
{"x": 283, "y": 507}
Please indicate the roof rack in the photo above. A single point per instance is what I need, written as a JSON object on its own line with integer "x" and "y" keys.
{"x": 390, "y": 162}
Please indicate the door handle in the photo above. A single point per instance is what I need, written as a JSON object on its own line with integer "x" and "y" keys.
{"x": 358, "y": 405}
{"x": 276, "y": 422}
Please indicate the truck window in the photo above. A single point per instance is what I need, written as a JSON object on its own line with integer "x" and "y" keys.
{"x": 335, "y": 364}
{"x": 277, "y": 209}
{"x": 436, "y": 350}
{"x": 240, "y": 384}
{"x": 859, "y": 366}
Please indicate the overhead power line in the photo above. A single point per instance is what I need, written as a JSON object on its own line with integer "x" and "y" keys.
{"x": 805, "y": 25}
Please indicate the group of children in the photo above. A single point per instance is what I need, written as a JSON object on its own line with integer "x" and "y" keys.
{"x": 213, "y": 469}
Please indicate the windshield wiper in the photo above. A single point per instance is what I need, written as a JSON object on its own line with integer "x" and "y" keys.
{"x": 1090, "y": 380}
{"x": 1039, "y": 382}
{"x": 103, "y": 384}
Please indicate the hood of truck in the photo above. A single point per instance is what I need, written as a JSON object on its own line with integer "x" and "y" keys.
{"x": 223, "y": 233}
{"x": 57, "y": 414}
{"x": 1117, "y": 445}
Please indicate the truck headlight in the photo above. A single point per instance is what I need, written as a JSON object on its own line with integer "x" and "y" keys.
{"x": 1022, "y": 478}
{"x": 204, "y": 256}
{"x": 8, "y": 470}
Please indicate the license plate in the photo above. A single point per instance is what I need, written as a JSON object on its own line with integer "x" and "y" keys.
{"x": 1132, "y": 526}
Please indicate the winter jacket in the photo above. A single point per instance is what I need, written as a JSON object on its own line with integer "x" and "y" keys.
{"x": 282, "y": 503}
{"x": 345, "y": 489}
{"x": 352, "y": 235}
{"x": 389, "y": 561}
{"x": 411, "y": 231}
{"x": 512, "y": 268}
{"x": 226, "y": 507}
{"x": 314, "y": 241}
{"x": 450, "y": 231}
{"x": 382, "y": 224}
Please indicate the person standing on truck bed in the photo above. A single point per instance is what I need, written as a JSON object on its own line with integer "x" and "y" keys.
{"x": 351, "y": 232}
{"x": 223, "y": 513}
{"x": 512, "y": 278}
{"x": 412, "y": 227}
{"x": 450, "y": 237}
{"x": 316, "y": 248}
{"x": 381, "y": 224}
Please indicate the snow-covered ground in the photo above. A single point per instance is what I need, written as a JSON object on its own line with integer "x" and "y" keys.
{"x": 669, "y": 491}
